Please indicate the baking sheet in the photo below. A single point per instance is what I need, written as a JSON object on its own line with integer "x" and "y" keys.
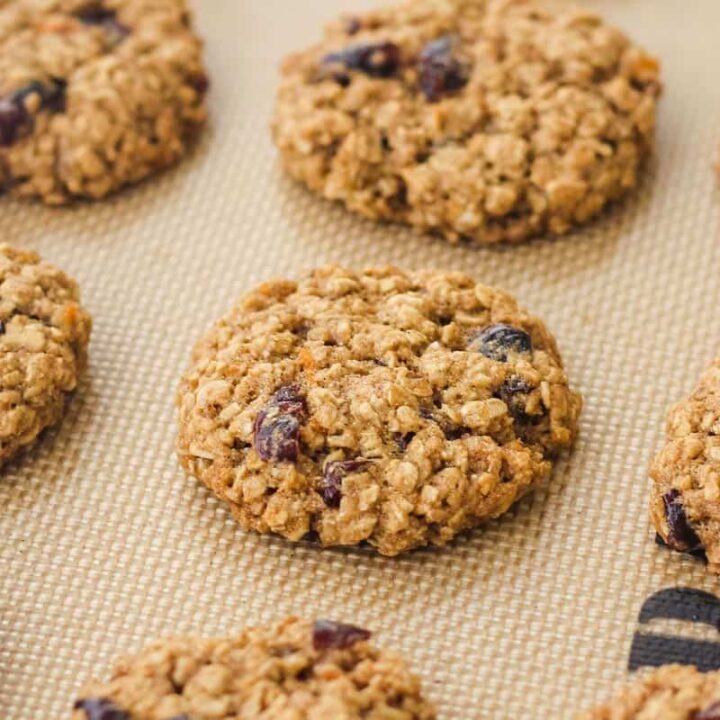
{"x": 105, "y": 545}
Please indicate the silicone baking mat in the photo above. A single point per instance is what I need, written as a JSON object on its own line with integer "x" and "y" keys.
{"x": 105, "y": 545}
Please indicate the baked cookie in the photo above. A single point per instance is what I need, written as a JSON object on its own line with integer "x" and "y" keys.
{"x": 674, "y": 692}
{"x": 383, "y": 406}
{"x": 296, "y": 670}
{"x": 490, "y": 120}
{"x": 95, "y": 94}
{"x": 44, "y": 333}
{"x": 685, "y": 495}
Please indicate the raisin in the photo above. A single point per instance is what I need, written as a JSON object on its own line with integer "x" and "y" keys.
{"x": 440, "y": 72}
{"x": 101, "y": 709}
{"x": 404, "y": 440}
{"x": 513, "y": 392}
{"x": 334, "y": 635}
{"x": 380, "y": 60}
{"x": 498, "y": 341}
{"x": 99, "y": 16}
{"x": 277, "y": 426}
{"x": 711, "y": 712}
{"x": 681, "y": 536}
{"x": 14, "y": 115}
{"x": 3, "y": 329}
{"x": 331, "y": 486}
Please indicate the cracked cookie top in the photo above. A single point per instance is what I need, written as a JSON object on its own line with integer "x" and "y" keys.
{"x": 392, "y": 407}
{"x": 95, "y": 94}
{"x": 295, "y": 670}
{"x": 685, "y": 495}
{"x": 674, "y": 692}
{"x": 44, "y": 333}
{"x": 490, "y": 120}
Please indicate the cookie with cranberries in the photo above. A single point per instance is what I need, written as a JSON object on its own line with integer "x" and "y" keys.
{"x": 482, "y": 120}
{"x": 95, "y": 94}
{"x": 388, "y": 407}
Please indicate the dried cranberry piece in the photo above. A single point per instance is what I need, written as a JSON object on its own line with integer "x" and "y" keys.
{"x": 101, "y": 709}
{"x": 277, "y": 426}
{"x": 331, "y": 485}
{"x": 328, "y": 634}
{"x": 13, "y": 113}
{"x": 12, "y": 117}
{"x": 404, "y": 440}
{"x": 378, "y": 60}
{"x": 498, "y": 341}
{"x": 681, "y": 536}
{"x": 440, "y": 71}
{"x": 99, "y": 16}
{"x": 711, "y": 712}
{"x": 513, "y": 393}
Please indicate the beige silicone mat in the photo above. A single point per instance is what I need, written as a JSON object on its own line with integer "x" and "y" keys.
{"x": 104, "y": 544}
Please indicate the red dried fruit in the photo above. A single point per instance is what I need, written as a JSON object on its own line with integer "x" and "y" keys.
{"x": 333, "y": 475}
{"x": 378, "y": 60}
{"x": 96, "y": 14}
{"x": 712, "y": 712}
{"x": 13, "y": 112}
{"x": 440, "y": 72}
{"x": 681, "y": 535}
{"x": 513, "y": 392}
{"x": 277, "y": 427}
{"x": 101, "y": 709}
{"x": 498, "y": 341}
{"x": 328, "y": 634}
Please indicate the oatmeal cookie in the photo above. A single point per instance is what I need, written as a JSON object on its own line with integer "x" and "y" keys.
{"x": 383, "y": 406}
{"x": 44, "y": 333}
{"x": 296, "y": 670}
{"x": 490, "y": 120}
{"x": 674, "y": 692}
{"x": 685, "y": 495}
{"x": 95, "y": 94}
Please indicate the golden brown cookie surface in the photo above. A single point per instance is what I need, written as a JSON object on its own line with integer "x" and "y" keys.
{"x": 383, "y": 406}
{"x": 95, "y": 94}
{"x": 685, "y": 496}
{"x": 674, "y": 692}
{"x": 295, "y": 670}
{"x": 494, "y": 120}
{"x": 44, "y": 334}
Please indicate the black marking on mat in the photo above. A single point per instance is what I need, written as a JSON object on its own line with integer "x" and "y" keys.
{"x": 656, "y": 650}
{"x": 679, "y": 603}
{"x": 682, "y": 603}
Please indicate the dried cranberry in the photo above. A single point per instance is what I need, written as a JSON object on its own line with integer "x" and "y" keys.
{"x": 498, "y": 341}
{"x": 681, "y": 536}
{"x": 513, "y": 393}
{"x": 711, "y": 712}
{"x": 379, "y": 60}
{"x": 101, "y": 709}
{"x": 334, "y": 635}
{"x": 440, "y": 71}
{"x": 404, "y": 440}
{"x": 12, "y": 117}
{"x": 277, "y": 426}
{"x": 105, "y": 18}
{"x": 13, "y": 113}
{"x": 331, "y": 485}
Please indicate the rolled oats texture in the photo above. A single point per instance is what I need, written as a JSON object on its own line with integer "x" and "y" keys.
{"x": 380, "y": 406}
{"x": 95, "y": 95}
{"x": 485, "y": 120}
{"x": 44, "y": 334}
